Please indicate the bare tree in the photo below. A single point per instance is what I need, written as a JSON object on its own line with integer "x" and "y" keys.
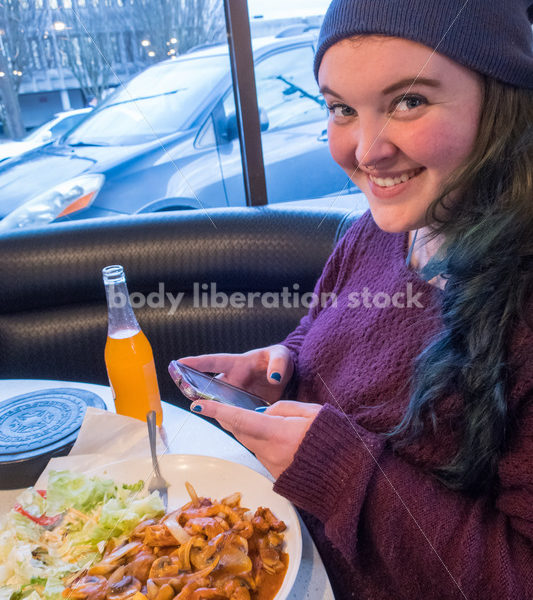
{"x": 201, "y": 21}
{"x": 9, "y": 107}
{"x": 175, "y": 26}
{"x": 167, "y": 27}
{"x": 86, "y": 44}
{"x": 16, "y": 19}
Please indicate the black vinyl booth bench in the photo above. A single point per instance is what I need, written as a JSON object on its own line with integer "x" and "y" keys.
{"x": 227, "y": 268}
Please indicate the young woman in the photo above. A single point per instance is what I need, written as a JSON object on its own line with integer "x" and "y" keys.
{"x": 410, "y": 444}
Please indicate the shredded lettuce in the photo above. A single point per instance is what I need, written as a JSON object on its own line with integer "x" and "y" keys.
{"x": 35, "y": 561}
{"x": 134, "y": 487}
{"x": 75, "y": 490}
{"x": 120, "y": 518}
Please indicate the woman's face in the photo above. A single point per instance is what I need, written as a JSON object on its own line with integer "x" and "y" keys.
{"x": 402, "y": 118}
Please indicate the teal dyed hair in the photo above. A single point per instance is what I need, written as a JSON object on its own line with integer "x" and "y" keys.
{"x": 488, "y": 264}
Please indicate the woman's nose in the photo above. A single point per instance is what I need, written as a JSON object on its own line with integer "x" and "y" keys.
{"x": 373, "y": 144}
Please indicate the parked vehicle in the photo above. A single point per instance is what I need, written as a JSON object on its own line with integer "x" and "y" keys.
{"x": 168, "y": 140}
{"x": 50, "y": 131}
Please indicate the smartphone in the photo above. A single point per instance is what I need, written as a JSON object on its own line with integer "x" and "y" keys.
{"x": 196, "y": 385}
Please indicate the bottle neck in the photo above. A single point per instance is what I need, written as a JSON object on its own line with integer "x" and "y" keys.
{"x": 120, "y": 316}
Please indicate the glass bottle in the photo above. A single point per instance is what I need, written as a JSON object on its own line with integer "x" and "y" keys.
{"x": 128, "y": 355}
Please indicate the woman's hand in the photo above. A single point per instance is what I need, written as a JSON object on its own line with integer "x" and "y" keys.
{"x": 273, "y": 436}
{"x": 264, "y": 372}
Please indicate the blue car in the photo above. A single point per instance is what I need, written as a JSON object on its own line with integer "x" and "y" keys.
{"x": 51, "y": 130}
{"x": 167, "y": 140}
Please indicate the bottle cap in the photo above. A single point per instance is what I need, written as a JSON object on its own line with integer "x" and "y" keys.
{"x": 36, "y": 427}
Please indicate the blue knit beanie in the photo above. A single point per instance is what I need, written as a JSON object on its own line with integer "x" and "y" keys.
{"x": 493, "y": 37}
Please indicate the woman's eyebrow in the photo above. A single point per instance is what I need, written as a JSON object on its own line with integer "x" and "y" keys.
{"x": 410, "y": 81}
{"x": 403, "y": 83}
{"x": 326, "y": 90}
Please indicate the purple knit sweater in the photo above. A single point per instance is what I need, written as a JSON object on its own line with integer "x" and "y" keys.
{"x": 385, "y": 527}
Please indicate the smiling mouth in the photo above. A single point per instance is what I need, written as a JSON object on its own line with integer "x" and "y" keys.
{"x": 387, "y": 182}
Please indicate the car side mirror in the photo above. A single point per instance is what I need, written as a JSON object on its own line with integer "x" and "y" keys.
{"x": 231, "y": 132}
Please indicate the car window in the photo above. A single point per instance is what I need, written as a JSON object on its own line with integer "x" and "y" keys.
{"x": 206, "y": 137}
{"x": 40, "y": 132}
{"x": 65, "y": 124}
{"x": 158, "y": 102}
{"x": 287, "y": 90}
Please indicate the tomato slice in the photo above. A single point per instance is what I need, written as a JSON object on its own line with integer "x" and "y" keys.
{"x": 43, "y": 520}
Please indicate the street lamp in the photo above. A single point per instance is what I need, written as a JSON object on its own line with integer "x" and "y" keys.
{"x": 145, "y": 43}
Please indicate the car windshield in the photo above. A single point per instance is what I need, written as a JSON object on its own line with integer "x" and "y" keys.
{"x": 157, "y": 102}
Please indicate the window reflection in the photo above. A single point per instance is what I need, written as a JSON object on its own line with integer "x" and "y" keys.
{"x": 165, "y": 133}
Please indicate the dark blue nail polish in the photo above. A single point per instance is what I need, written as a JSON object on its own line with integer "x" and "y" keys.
{"x": 275, "y": 376}
{"x": 261, "y": 408}
{"x": 197, "y": 408}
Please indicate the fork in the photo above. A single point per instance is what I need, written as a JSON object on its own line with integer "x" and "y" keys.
{"x": 157, "y": 481}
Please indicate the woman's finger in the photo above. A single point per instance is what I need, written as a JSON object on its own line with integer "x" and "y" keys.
{"x": 278, "y": 370}
{"x": 239, "y": 421}
{"x": 210, "y": 363}
{"x": 292, "y": 408}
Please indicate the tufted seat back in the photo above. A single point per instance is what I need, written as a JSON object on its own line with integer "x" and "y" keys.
{"x": 52, "y": 302}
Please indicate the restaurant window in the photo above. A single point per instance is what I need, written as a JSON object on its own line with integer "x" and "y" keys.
{"x": 295, "y": 140}
{"x": 182, "y": 104}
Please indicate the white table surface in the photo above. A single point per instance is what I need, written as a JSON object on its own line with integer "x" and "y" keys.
{"x": 186, "y": 433}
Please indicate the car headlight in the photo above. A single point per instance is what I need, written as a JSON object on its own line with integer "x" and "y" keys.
{"x": 63, "y": 199}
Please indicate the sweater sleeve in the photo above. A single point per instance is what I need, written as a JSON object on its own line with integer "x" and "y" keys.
{"x": 397, "y": 521}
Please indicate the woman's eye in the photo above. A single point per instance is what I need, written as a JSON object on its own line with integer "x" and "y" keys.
{"x": 341, "y": 110}
{"x": 407, "y": 103}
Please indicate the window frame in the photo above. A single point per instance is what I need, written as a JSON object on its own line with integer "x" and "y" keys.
{"x": 246, "y": 108}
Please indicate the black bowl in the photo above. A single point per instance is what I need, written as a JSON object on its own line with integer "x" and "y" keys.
{"x": 36, "y": 427}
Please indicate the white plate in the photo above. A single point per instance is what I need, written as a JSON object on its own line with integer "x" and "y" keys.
{"x": 216, "y": 478}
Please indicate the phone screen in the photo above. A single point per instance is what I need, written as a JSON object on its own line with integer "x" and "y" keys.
{"x": 196, "y": 385}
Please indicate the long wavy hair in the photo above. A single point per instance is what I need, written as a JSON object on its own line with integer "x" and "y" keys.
{"x": 487, "y": 260}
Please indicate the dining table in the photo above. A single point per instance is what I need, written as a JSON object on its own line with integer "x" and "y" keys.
{"x": 187, "y": 433}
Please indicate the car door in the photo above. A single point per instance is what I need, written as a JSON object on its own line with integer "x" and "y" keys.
{"x": 298, "y": 164}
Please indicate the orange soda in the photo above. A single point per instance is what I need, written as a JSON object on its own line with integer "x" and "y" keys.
{"x": 131, "y": 371}
{"x": 128, "y": 355}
